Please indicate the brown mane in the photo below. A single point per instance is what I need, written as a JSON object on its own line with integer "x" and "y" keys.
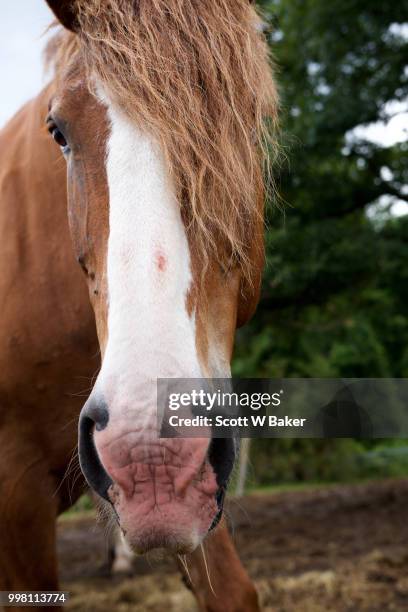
{"x": 196, "y": 75}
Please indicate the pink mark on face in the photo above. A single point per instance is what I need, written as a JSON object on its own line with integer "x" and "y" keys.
{"x": 161, "y": 261}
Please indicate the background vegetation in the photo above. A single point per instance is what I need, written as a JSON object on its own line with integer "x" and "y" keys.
{"x": 335, "y": 291}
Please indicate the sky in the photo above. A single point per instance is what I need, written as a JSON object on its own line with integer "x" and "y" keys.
{"x": 22, "y": 25}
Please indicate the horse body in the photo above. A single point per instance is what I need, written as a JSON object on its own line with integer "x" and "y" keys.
{"x": 49, "y": 349}
{"x": 48, "y": 340}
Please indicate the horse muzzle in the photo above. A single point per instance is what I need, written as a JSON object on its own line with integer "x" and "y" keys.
{"x": 166, "y": 493}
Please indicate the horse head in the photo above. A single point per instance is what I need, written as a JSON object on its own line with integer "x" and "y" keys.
{"x": 158, "y": 110}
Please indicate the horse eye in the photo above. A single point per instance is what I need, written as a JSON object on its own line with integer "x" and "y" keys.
{"x": 58, "y": 136}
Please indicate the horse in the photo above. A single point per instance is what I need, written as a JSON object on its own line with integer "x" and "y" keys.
{"x": 131, "y": 232}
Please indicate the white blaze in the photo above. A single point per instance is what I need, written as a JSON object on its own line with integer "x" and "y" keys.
{"x": 150, "y": 334}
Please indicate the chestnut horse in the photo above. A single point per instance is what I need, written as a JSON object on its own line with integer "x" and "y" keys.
{"x": 158, "y": 109}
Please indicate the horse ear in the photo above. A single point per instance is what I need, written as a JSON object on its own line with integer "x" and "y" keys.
{"x": 64, "y": 10}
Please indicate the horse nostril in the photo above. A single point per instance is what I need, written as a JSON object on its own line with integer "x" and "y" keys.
{"x": 97, "y": 411}
{"x": 94, "y": 415}
{"x": 221, "y": 454}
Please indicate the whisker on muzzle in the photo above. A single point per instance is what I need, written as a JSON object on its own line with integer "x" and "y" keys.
{"x": 207, "y": 570}
{"x": 183, "y": 561}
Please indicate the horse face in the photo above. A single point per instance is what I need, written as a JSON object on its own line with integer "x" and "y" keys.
{"x": 159, "y": 314}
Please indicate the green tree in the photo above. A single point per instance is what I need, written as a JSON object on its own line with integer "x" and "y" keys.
{"x": 335, "y": 286}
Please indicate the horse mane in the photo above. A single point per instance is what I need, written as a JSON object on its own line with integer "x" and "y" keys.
{"x": 196, "y": 74}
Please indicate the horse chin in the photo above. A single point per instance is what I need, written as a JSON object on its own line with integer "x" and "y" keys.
{"x": 163, "y": 542}
{"x": 178, "y": 526}
{"x": 170, "y": 539}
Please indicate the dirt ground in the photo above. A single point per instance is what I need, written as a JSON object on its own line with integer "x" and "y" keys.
{"x": 339, "y": 548}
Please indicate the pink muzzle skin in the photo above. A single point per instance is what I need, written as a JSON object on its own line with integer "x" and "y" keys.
{"x": 163, "y": 490}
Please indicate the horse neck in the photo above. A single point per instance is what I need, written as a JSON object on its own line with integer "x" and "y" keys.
{"x": 42, "y": 290}
{"x": 32, "y": 185}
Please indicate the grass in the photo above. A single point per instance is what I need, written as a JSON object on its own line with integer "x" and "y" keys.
{"x": 313, "y": 485}
{"x": 288, "y": 487}
{"x": 83, "y": 508}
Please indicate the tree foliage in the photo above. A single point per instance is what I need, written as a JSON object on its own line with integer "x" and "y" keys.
{"x": 335, "y": 287}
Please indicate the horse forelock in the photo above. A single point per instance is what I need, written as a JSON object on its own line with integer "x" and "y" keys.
{"x": 196, "y": 75}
